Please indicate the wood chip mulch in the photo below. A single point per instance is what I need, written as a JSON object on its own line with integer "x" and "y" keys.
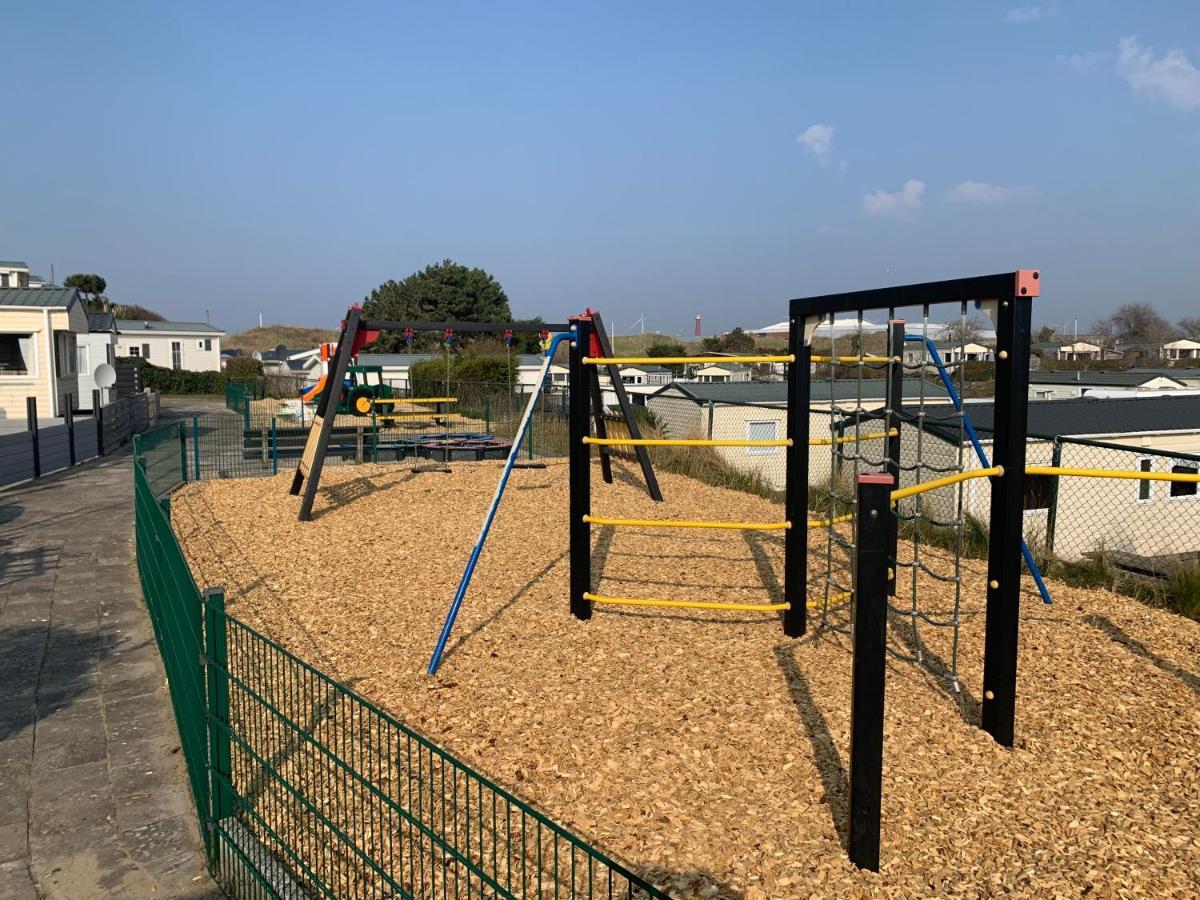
{"x": 704, "y": 749}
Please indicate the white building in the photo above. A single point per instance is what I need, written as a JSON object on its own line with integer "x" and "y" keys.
{"x": 721, "y": 373}
{"x": 38, "y": 331}
{"x": 1181, "y": 349}
{"x": 15, "y": 274}
{"x": 92, "y": 350}
{"x": 193, "y": 346}
{"x": 950, "y": 352}
{"x": 644, "y": 375}
{"x": 1079, "y": 350}
{"x": 395, "y": 368}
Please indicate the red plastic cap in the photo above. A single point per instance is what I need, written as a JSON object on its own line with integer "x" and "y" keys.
{"x": 1027, "y": 283}
{"x": 875, "y": 478}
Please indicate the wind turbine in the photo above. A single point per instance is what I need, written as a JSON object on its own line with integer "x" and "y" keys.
{"x": 640, "y": 323}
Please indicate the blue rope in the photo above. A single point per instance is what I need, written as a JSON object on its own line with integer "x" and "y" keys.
{"x": 979, "y": 452}
{"x": 463, "y": 584}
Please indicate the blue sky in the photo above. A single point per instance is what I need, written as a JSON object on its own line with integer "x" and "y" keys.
{"x": 664, "y": 159}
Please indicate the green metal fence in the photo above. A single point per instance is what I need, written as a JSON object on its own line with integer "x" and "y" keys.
{"x": 306, "y": 789}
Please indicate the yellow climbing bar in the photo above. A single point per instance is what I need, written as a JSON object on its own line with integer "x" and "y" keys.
{"x": 1113, "y": 473}
{"x": 856, "y": 360}
{"x": 662, "y": 523}
{"x": 413, "y": 400}
{"x": 681, "y": 360}
{"x": 936, "y": 483}
{"x": 851, "y": 438}
{"x": 821, "y": 523}
{"x": 688, "y": 604}
{"x": 427, "y": 414}
{"x": 681, "y": 442}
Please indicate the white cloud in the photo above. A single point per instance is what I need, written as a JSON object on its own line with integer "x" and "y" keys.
{"x": 984, "y": 194}
{"x": 1170, "y": 78}
{"x": 902, "y": 203}
{"x": 1081, "y": 62}
{"x": 819, "y": 140}
{"x": 1027, "y": 15}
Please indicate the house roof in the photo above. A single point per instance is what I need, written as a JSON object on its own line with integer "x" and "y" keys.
{"x": 646, "y": 369}
{"x": 775, "y": 392}
{"x": 1182, "y": 344}
{"x": 1100, "y": 379}
{"x": 39, "y": 298}
{"x": 101, "y": 321}
{"x": 13, "y": 264}
{"x": 728, "y": 367}
{"x": 131, "y": 326}
{"x": 1083, "y": 416}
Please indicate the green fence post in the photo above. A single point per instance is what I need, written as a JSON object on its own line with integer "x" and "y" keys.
{"x": 246, "y": 409}
{"x": 274, "y": 447}
{"x": 1052, "y": 513}
{"x": 183, "y": 473}
{"x": 216, "y": 662}
{"x": 196, "y": 443}
{"x": 487, "y": 413}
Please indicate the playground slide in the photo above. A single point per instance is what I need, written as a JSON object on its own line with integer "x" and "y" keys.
{"x": 309, "y": 395}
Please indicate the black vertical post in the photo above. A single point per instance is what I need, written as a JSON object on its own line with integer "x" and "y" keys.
{"x": 1008, "y": 490}
{"x": 69, "y": 416}
{"x": 795, "y": 538}
{"x": 580, "y": 472}
{"x": 98, "y": 415}
{"x": 31, "y": 422}
{"x": 895, "y": 401}
{"x": 870, "y": 668}
{"x": 216, "y": 659}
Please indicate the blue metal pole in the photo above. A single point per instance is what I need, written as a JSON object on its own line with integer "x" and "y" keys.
{"x": 979, "y": 452}
{"x": 513, "y": 451}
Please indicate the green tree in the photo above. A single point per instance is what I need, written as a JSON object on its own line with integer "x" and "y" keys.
{"x": 737, "y": 341}
{"x": 442, "y": 292}
{"x": 667, "y": 348}
{"x": 90, "y": 285}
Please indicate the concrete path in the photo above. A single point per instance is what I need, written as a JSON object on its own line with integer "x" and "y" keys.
{"x": 93, "y": 793}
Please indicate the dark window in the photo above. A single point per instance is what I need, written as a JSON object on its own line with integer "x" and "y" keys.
{"x": 1038, "y": 490}
{"x": 145, "y": 351}
{"x": 3, "y": 279}
{"x": 134, "y": 351}
{"x": 208, "y": 343}
{"x": 16, "y": 352}
{"x": 1184, "y": 488}
{"x": 1145, "y": 488}
{"x": 176, "y": 354}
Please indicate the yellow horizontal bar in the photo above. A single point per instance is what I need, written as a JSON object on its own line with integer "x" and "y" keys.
{"x": 431, "y": 414}
{"x": 414, "y": 399}
{"x": 688, "y": 604}
{"x": 821, "y": 523}
{"x": 661, "y": 523}
{"x": 856, "y": 359}
{"x": 851, "y": 438}
{"x": 681, "y": 360}
{"x": 946, "y": 482}
{"x": 1128, "y": 475}
{"x": 681, "y": 442}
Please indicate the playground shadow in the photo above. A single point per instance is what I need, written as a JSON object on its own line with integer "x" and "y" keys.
{"x": 19, "y": 565}
{"x": 825, "y": 753}
{"x": 347, "y": 492}
{"x": 900, "y": 626}
{"x": 507, "y": 605}
{"x": 1115, "y": 633}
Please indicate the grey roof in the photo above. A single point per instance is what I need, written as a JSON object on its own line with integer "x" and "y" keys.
{"x": 728, "y": 367}
{"x": 101, "y": 321}
{"x": 774, "y": 393}
{"x": 1099, "y": 379}
{"x": 130, "y": 326}
{"x": 13, "y": 264}
{"x": 645, "y": 368}
{"x": 37, "y": 298}
{"x": 1083, "y": 416}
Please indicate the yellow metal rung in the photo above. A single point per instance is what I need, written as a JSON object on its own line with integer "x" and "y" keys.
{"x": 429, "y": 414}
{"x": 414, "y": 400}
{"x": 688, "y": 604}
{"x": 856, "y": 360}
{"x": 946, "y": 482}
{"x": 851, "y": 438}
{"x": 661, "y": 523}
{"x": 681, "y": 360}
{"x": 681, "y": 442}
{"x": 1127, "y": 475}
{"x": 821, "y": 523}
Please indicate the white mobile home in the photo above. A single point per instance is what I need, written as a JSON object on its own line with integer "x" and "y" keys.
{"x": 38, "y": 356}
{"x": 194, "y": 346}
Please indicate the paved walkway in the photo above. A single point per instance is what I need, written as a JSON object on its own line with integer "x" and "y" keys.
{"x": 93, "y": 792}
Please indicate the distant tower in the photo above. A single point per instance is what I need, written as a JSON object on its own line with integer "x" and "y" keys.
{"x": 698, "y": 332}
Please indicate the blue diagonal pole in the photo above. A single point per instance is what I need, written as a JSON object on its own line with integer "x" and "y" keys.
{"x": 979, "y": 452}
{"x": 463, "y": 584}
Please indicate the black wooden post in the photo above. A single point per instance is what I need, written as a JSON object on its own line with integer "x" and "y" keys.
{"x": 795, "y": 539}
{"x": 31, "y": 421}
{"x": 579, "y": 472}
{"x": 1013, "y": 314}
{"x": 69, "y": 416}
{"x": 216, "y": 660}
{"x": 98, "y": 415}
{"x": 895, "y": 402}
{"x": 870, "y": 667}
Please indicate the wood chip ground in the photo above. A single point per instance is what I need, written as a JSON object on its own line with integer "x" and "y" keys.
{"x": 703, "y": 749}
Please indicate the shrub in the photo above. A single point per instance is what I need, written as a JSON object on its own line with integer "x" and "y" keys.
{"x": 176, "y": 381}
{"x": 243, "y": 367}
{"x": 428, "y": 377}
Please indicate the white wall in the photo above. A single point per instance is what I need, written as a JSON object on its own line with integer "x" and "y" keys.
{"x": 94, "y": 348}
{"x": 195, "y": 358}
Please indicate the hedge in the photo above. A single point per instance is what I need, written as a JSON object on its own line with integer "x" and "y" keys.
{"x": 428, "y": 377}
{"x": 176, "y": 381}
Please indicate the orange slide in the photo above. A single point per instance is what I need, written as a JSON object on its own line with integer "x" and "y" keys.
{"x": 311, "y": 394}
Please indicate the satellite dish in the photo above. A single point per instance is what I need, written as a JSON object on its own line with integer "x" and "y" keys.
{"x": 256, "y": 355}
{"x": 105, "y": 375}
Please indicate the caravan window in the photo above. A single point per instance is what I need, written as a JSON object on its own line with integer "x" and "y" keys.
{"x": 17, "y": 356}
{"x": 1184, "y": 488}
{"x": 762, "y": 431}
